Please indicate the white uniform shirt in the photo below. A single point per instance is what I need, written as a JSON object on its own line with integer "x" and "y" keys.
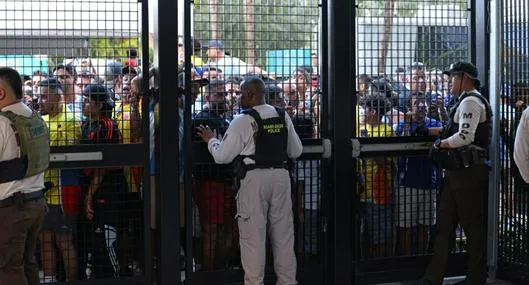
{"x": 468, "y": 115}
{"x": 521, "y": 146}
{"x": 239, "y": 138}
{"x": 9, "y": 149}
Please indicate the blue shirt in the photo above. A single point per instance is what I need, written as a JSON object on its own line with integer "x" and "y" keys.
{"x": 417, "y": 171}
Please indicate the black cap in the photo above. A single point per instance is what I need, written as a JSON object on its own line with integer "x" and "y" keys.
{"x": 181, "y": 79}
{"x": 51, "y": 82}
{"x": 129, "y": 70}
{"x": 99, "y": 94}
{"x": 464, "y": 67}
{"x": 382, "y": 85}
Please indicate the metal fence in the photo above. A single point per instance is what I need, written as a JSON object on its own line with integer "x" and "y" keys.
{"x": 117, "y": 159}
{"x": 81, "y": 64}
{"x": 403, "y": 47}
{"x": 513, "y": 247}
{"x": 278, "y": 41}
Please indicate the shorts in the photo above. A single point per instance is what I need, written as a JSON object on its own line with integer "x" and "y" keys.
{"x": 214, "y": 200}
{"x": 56, "y": 221}
{"x": 376, "y": 223}
{"x": 415, "y": 207}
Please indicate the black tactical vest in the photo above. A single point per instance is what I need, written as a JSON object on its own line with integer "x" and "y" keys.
{"x": 270, "y": 140}
{"x": 482, "y": 137}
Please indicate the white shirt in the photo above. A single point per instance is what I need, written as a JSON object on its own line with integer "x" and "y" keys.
{"x": 468, "y": 115}
{"x": 230, "y": 66}
{"x": 239, "y": 138}
{"x": 521, "y": 146}
{"x": 9, "y": 149}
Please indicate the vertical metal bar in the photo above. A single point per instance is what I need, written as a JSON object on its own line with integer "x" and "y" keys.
{"x": 480, "y": 38}
{"x": 495, "y": 94}
{"x": 324, "y": 133}
{"x": 169, "y": 144}
{"x": 187, "y": 143}
{"x": 147, "y": 262}
{"x": 324, "y": 69}
{"x": 341, "y": 91}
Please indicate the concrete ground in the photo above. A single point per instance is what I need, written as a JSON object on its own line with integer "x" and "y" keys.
{"x": 449, "y": 281}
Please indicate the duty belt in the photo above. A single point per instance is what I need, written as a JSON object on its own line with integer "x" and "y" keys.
{"x": 21, "y": 198}
{"x": 458, "y": 158}
{"x": 257, "y": 166}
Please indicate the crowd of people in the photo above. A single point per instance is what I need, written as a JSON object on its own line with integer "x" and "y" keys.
{"x": 93, "y": 227}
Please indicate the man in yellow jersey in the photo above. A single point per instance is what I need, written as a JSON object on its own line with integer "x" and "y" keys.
{"x": 63, "y": 198}
{"x": 376, "y": 177}
{"x": 127, "y": 115}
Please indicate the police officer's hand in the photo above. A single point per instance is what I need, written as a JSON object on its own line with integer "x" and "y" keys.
{"x": 205, "y": 133}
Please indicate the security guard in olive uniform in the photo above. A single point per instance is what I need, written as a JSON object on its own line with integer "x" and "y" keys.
{"x": 259, "y": 142}
{"x": 461, "y": 151}
{"x": 24, "y": 156}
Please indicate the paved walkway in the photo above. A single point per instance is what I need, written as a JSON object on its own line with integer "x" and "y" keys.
{"x": 453, "y": 280}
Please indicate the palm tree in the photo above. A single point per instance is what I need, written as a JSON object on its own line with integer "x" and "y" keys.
{"x": 249, "y": 20}
{"x": 215, "y": 23}
{"x": 389, "y": 9}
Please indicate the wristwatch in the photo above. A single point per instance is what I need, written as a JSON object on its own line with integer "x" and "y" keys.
{"x": 437, "y": 144}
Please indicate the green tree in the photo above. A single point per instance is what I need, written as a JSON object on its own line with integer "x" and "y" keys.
{"x": 277, "y": 25}
{"x": 112, "y": 47}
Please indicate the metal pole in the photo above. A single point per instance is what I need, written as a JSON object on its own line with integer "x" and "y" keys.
{"x": 147, "y": 262}
{"x": 495, "y": 94}
{"x": 187, "y": 143}
{"x": 479, "y": 31}
{"x": 341, "y": 91}
{"x": 169, "y": 144}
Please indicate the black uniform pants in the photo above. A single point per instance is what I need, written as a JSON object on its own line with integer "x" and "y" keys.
{"x": 462, "y": 201}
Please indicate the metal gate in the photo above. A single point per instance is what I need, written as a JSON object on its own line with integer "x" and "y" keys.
{"x": 301, "y": 50}
{"x": 512, "y": 84}
{"x": 402, "y": 49}
{"x": 68, "y": 53}
{"x": 225, "y": 42}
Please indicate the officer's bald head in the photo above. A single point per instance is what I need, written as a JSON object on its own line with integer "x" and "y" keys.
{"x": 254, "y": 84}
{"x": 10, "y": 83}
{"x": 253, "y": 91}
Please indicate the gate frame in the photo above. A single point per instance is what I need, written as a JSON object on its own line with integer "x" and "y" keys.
{"x": 339, "y": 266}
{"x": 337, "y": 79}
{"x": 111, "y": 155}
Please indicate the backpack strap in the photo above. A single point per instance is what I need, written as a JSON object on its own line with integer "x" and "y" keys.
{"x": 255, "y": 115}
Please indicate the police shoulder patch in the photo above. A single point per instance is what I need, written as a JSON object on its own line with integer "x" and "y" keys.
{"x": 37, "y": 130}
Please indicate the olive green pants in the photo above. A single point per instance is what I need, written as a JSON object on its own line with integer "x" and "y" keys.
{"x": 463, "y": 199}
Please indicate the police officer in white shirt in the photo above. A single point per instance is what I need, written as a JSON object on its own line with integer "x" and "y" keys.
{"x": 259, "y": 142}
{"x": 24, "y": 156}
{"x": 521, "y": 146}
{"x": 461, "y": 151}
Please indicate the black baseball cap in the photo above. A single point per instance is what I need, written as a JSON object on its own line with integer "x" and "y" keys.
{"x": 464, "y": 67}
{"x": 99, "y": 94}
{"x": 129, "y": 70}
{"x": 51, "y": 82}
{"x": 195, "y": 79}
